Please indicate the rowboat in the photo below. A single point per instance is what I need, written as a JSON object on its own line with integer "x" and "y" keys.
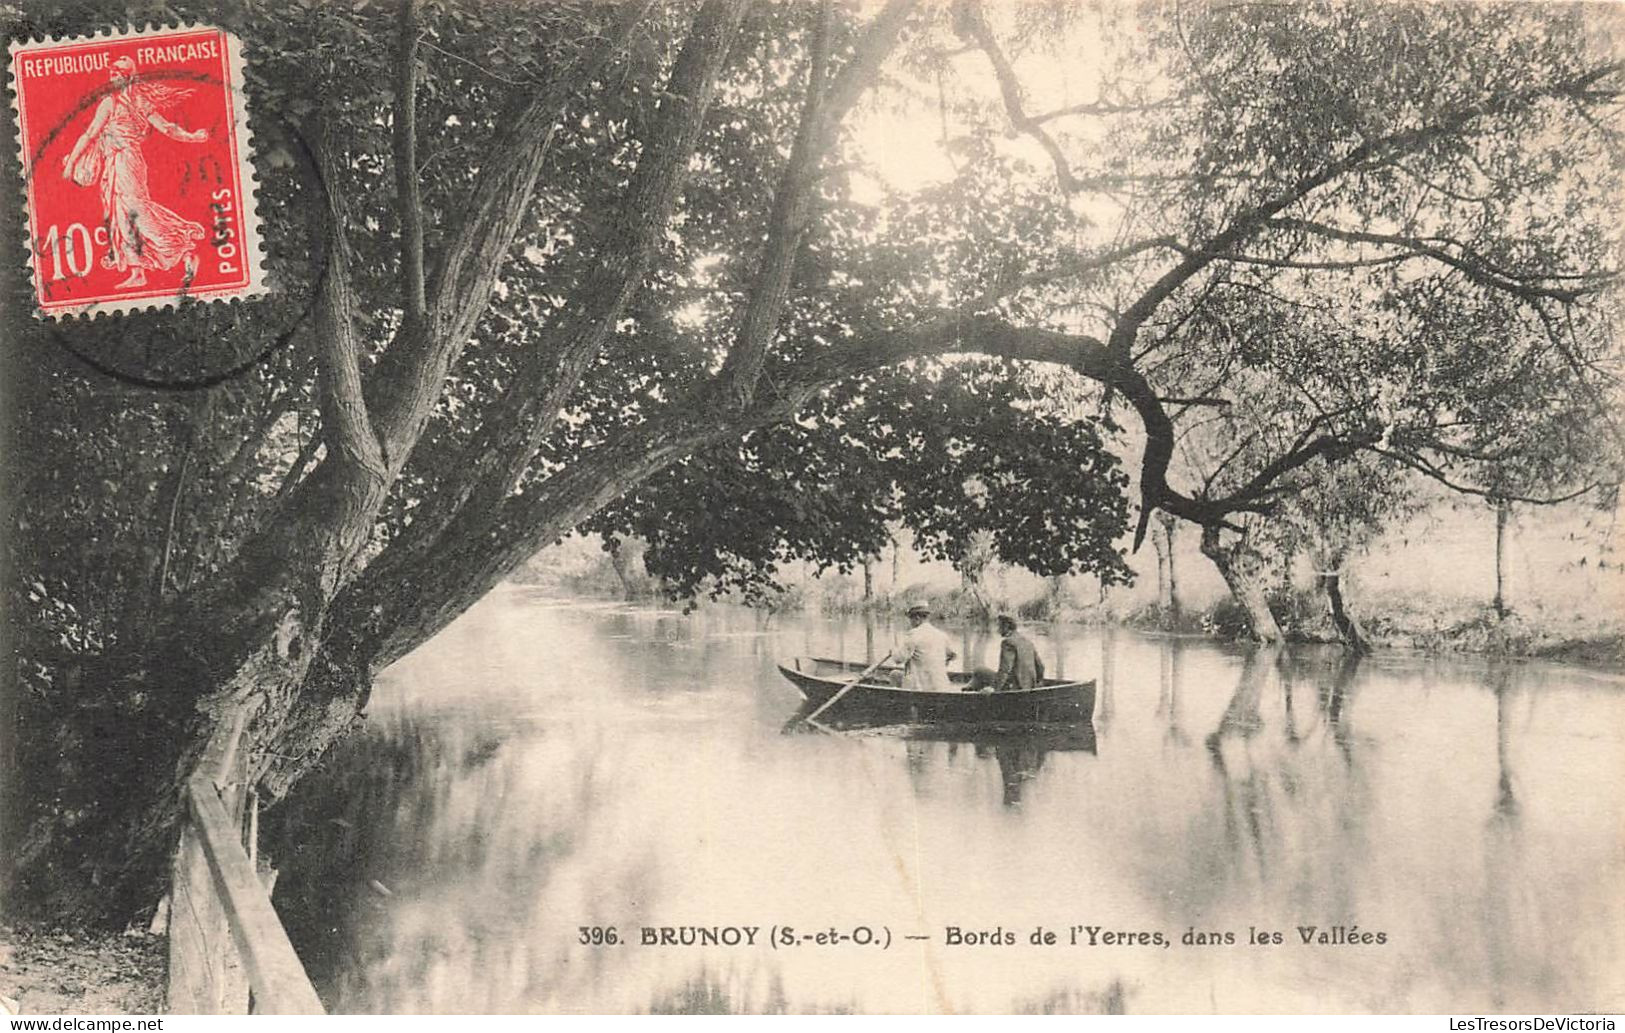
{"x": 874, "y": 702}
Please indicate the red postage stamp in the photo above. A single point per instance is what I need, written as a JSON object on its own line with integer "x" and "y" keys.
{"x": 136, "y": 161}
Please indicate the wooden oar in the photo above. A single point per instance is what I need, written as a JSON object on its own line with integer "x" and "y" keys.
{"x": 866, "y": 672}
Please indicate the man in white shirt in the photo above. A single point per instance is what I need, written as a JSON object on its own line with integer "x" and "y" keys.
{"x": 925, "y": 653}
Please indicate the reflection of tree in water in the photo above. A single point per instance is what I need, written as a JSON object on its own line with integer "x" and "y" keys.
{"x": 1168, "y": 693}
{"x": 1333, "y": 685}
{"x": 1271, "y": 818}
{"x": 1506, "y": 797}
{"x": 1518, "y": 931}
{"x": 334, "y": 839}
{"x": 1104, "y": 705}
{"x": 709, "y": 992}
{"x": 1247, "y": 808}
{"x": 416, "y": 866}
{"x": 1113, "y": 1000}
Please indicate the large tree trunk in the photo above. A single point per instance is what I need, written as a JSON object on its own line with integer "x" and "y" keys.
{"x": 416, "y": 588}
{"x": 1170, "y": 527}
{"x": 1246, "y": 573}
{"x": 246, "y": 640}
{"x": 1159, "y": 545}
{"x": 127, "y": 754}
{"x": 1348, "y": 629}
{"x": 1330, "y": 558}
{"x": 292, "y": 632}
{"x": 617, "y": 561}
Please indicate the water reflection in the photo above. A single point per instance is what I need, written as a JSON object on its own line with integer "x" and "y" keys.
{"x": 1288, "y": 778}
{"x": 1018, "y": 754}
{"x": 541, "y": 768}
{"x": 1168, "y": 694}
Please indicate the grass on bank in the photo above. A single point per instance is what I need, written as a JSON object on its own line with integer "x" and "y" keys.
{"x": 1391, "y": 619}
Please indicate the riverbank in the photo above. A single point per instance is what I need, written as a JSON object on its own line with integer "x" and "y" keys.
{"x": 61, "y": 972}
{"x": 1392, "y": 621}
{"x": 1594, "y": 641}
{"x": 1395, "y": 622}
{"x": 1428, "y": 584}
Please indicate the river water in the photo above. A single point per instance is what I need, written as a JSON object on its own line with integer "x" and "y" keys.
{"x": 545, "y": 765}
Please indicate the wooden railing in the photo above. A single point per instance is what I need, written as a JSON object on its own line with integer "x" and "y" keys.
{"x": 228, "y": 952}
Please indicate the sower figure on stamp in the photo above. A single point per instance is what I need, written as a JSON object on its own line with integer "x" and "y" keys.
{"x": 142, "y": 234}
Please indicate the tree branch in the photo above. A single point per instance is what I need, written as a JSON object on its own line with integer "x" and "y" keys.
{"x": 792, "y": 200}
{"x": 1209, "y": 401}
{"x": 970, "y": 21}
{"x": 345, "y": 418}
{"x": 1101, "y": 107}
{"x": 791, "y": 206}
{"x": 875, "y": 42}
{"x": 516, "y": 426}
{"x": 1328, "y": 446}
{"x": 296, "y": 471}
{"x": 491, "y": 464}
{"x": 1074, "y": 265}
{"x": 412, "y": 371}
{"x": 255, "y": 439}
{"x": 1367, "y": 153}
{"x": 1476, "y": 267}
{"x": 1438, "y": 473}
{"x": 409, "y": 206}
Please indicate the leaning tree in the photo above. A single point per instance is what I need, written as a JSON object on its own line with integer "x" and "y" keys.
{"x": 530, "y": 261}
{"x": 1421, "y": 266}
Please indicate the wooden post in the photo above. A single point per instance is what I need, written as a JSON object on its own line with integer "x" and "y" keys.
{"x": 203, "y": 979}
{"x": 278, "y": 978}
{"x": 227, "y": 949}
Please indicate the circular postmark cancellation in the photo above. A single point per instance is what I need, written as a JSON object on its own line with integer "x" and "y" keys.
{"x": 141, "y": 196}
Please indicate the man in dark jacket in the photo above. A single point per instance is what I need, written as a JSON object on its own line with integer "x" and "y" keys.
{"x": 1019, "y": 664}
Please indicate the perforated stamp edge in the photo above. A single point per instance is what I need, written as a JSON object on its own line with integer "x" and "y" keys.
{"x": 253, "y": 241}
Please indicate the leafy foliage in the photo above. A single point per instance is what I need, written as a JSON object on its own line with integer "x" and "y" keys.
{"x": 949, "y": 452}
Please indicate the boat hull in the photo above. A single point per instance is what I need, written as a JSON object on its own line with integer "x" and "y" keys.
{"x": 876, "y": 703}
